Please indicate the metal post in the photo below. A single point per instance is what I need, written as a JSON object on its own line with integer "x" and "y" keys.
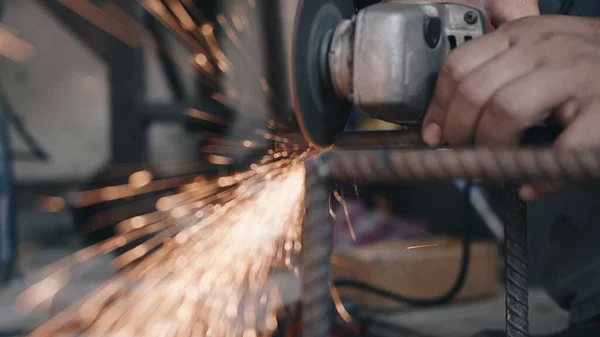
{"x": 8, "y": 229}
{"x": 516, "y": 278}
{"x": 275, "y": 62}
{"x": 8, "y": 226}
{"x": 127, "y": 93}
{"x": 316, "y": 250}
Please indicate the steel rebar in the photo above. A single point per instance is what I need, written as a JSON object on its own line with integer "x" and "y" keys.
{"x": 516, "y": 273}
{"x": 446, "y": 165}
{"x": 316, "y": 242}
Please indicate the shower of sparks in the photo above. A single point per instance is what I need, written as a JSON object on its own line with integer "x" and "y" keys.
{"x": 199, "y": 264}
{"x": 205, "y": 269}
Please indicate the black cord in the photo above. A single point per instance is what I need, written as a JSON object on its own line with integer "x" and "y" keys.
{"x": 458, "y": 284}
{"x": 566, "y": 7}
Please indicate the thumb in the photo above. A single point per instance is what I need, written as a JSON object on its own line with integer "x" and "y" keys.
{"x": 502, "y": 11}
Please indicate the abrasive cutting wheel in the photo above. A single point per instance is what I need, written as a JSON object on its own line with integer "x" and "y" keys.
{"x": 320, "y": 113}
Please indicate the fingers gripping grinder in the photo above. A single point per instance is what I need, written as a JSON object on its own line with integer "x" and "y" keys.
{"x": 383, "y": 59}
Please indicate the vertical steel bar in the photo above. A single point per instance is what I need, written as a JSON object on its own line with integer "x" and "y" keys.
{"x": 517, "y": 293}
{"x": 316, "y": 250}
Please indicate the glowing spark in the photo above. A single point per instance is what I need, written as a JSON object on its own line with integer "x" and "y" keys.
{"x": 96, "y": 196}
{"x": 331, "y": 212}
{"x": 201, "y": 59}
{"x": 140, "y": 179}
{"x": 219, "y": 160}
{"x": 238, "y": 22}
{"x": 14, "y": 48}
{"x": 205, "y": 271}
{"x": 264, "y": 85}
{"x": 105, "y": 21}
{"x": 223, "y": 66}
{"x": 205, "y": 116}
{"x": 339, "y": 306}
{"x": 53, "y": 204}
{"x": 207, "y": 29}
{"x": 138, "y": 222}
{"x": 186, "y": 21}
{"x": 340, "y": 198}
{"x": 422, "y": 246}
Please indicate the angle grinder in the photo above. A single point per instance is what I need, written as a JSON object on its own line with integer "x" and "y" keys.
{"x": 383, "y": 59}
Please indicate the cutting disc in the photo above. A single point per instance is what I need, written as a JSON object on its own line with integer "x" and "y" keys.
{"x": 321, "y": 114}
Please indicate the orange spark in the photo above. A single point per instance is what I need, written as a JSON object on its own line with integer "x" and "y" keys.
{"x": 422, "y": 246}
{"x": 340, "y": 198}
{"x": 53, "y": 204}
{"x": 140, "y": 179}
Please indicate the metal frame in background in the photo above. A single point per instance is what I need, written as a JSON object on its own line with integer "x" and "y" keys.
{"x": 126, "y": 69}
{"x": 8, "y": 229}
{"x": 8, "y": 226}
{"x": 511, "y": 165}
{"x": 130, "y": 113}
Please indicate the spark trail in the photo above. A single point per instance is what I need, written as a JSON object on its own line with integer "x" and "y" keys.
{"x": 205, "y": 270}
{"x": 200, "y": 264}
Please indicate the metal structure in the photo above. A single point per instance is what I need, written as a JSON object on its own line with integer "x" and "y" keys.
{"x": 8, "y": 229}
{"x": 385, "y": 60}
{"x": 130, "y": 112}
{"x": 350, "y": 83}
{"x": 430, "y": 165}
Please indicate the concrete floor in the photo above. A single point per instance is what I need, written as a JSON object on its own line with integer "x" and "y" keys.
{"x": 48, "y": 238}
{"x": 460, "y": 320}
{"x": 466, "y": 319}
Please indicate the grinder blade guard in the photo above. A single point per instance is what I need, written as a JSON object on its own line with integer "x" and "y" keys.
{"x": 320, "y": 112}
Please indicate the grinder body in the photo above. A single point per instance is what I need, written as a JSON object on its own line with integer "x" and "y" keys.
{"x": 384, "y": 60}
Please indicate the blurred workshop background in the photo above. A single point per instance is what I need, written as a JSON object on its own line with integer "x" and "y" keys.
{"x": 97, "y": 93}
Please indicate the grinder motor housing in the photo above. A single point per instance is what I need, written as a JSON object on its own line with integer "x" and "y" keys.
{"x": 386, "y": 59}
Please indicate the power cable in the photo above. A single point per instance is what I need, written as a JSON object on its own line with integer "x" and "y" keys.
{"x": 450, "y": 294}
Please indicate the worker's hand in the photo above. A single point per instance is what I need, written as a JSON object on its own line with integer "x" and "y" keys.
{"x": 497, "y": 11}
{"x": 492, "y": 89}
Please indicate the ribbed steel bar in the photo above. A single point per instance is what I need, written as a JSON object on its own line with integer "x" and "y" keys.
{"x": 446, "y": 165}
{"x": 316, "y": 250}
{"x": 516, "y": 273}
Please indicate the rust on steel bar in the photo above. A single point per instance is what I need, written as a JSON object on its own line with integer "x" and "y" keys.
{"x": 444, "y": 165}
{"x": 316, "y": 250}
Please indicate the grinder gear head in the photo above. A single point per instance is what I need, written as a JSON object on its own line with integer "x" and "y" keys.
{"x": 384, "y": 60}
